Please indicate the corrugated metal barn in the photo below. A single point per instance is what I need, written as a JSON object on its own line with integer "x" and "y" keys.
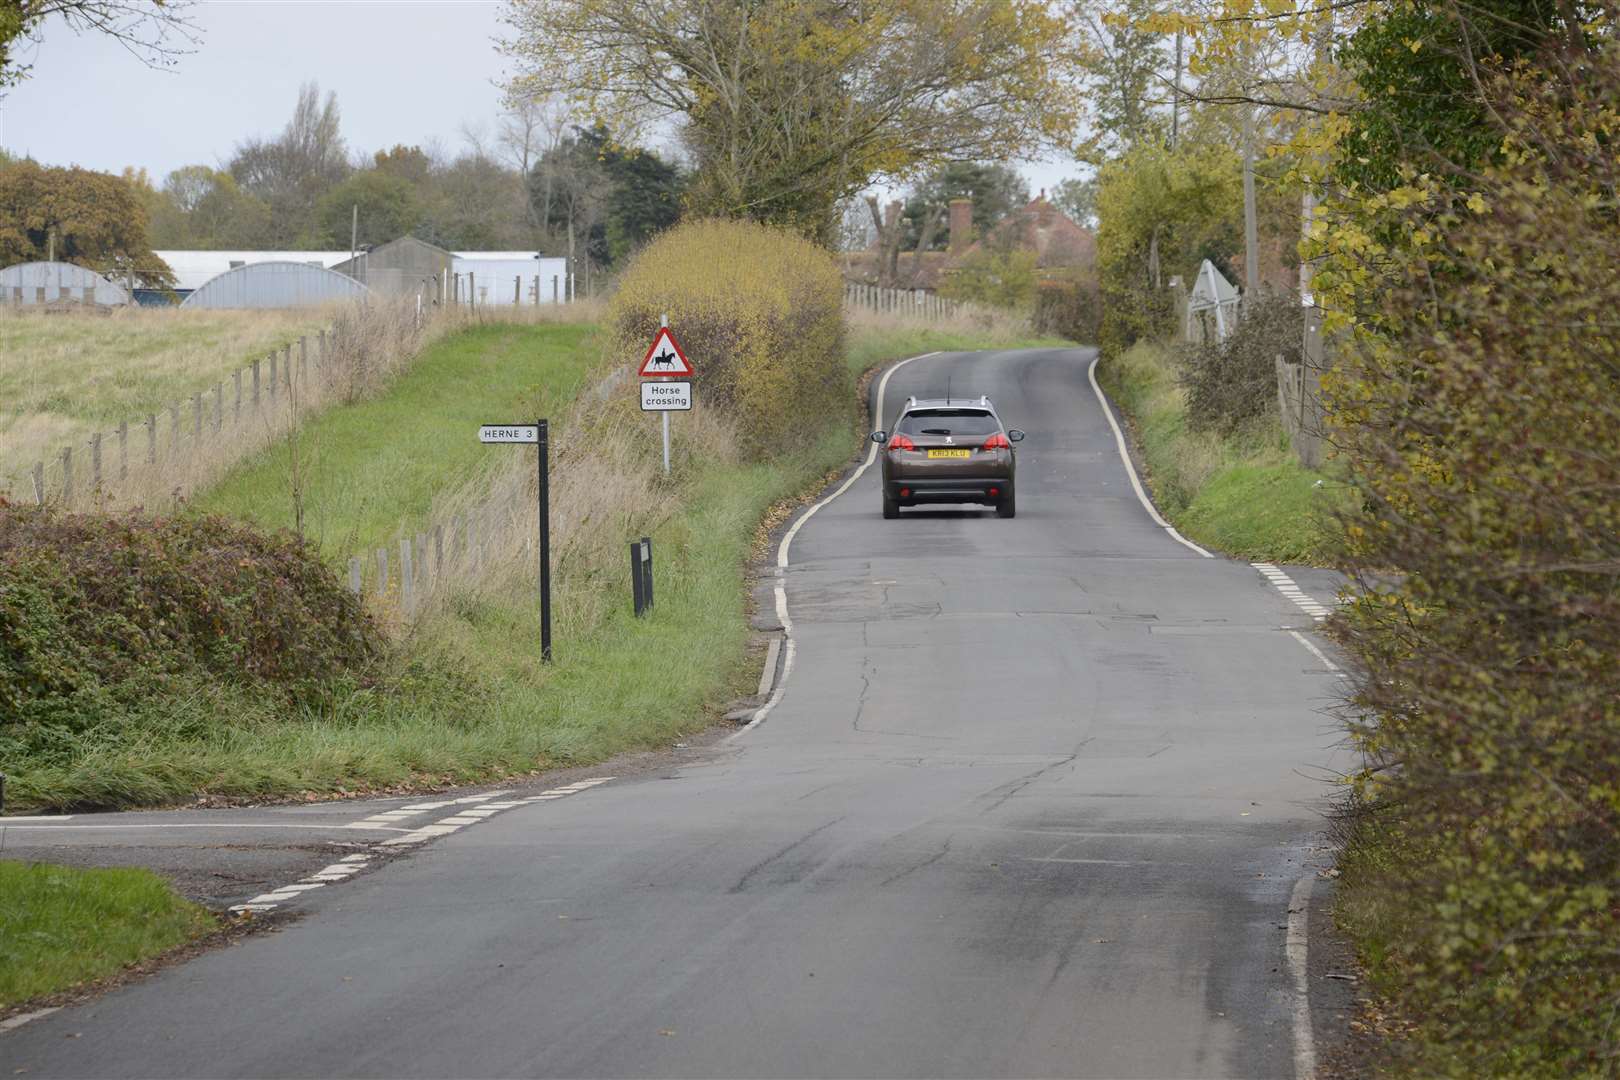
{"x": 57, "y": 282}
{"x": 275, "y": 285}
{"x": 403, "y": 267}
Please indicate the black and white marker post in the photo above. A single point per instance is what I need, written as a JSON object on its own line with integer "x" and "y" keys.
{"x": 534, "y": 433}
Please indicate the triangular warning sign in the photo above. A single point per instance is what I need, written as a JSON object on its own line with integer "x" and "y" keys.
{"x": 665, "y": 357}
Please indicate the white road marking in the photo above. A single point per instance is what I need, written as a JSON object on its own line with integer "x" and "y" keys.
{"x": 22, "y": 1018}
{"x": 790, "y": 647}
{"x": 1130, "y": 470}
{"x": 1289, "y": 588}
{"x": 479, "y": 808}
{"x": 1297, "y": 950}
{"x": 202, "y": 825}
{"x": 35, "y": 817}
{"x": 1318, "y": 653}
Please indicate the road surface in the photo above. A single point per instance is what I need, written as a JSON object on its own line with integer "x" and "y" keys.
{"x": 1033, "y": 803}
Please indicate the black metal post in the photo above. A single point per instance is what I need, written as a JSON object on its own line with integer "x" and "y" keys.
{"x": 646, "y": 570}
{"x": 638, "y": 600}
{"x": 545, "y": 547}
{"x": 2, "y": 792}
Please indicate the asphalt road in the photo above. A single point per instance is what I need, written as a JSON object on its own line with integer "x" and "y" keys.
{"x": 1032, "y": 804}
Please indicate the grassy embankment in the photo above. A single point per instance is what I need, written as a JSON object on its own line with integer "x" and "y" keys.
{"x": 463, "y": 697}
{"x": 61, "y": 926}
{"x": 65, "y": 376}
{"x": 1247, "y": 495}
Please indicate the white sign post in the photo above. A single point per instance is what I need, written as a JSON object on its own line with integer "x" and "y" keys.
{"x": 664, "y": 359}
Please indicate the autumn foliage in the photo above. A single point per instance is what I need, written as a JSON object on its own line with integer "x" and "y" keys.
{"x": 758, "y": 311}
{"x": 1481, "y": 420}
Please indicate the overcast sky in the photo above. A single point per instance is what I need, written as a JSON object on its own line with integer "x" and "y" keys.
{"x": 405, "y": 71}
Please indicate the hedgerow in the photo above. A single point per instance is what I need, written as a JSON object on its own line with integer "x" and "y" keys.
{"x": 758, "y": 311}
{"x": 100, "y": 613}
{"x": 1234, "y": 382}
{"x": 1481, "y": 421}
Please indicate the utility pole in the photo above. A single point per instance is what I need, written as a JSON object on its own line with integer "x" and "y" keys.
{"x": 1251, "y": 229}
{"x": 354, "y": 234}
{"x": 1175, "y": 104}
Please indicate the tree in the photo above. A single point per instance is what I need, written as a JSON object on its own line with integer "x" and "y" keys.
{"x": 383, "y": 206}
{"x": 1077, "y": 197}
{"x": 996, "y": 191}
{"x": 408, "y": 163}
{"x": 1162, "y": 212}
{"x": 292, "y": 171}
{"x": 789, "y": 106}
{"x": 155, "y": 31}
{"x": 1125, "y": 70}
{"x": 1004, "y": 279}
{"x": 92, "y": 219}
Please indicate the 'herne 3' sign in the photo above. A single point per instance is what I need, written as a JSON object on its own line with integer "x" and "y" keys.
{"x": 509, "y": 433}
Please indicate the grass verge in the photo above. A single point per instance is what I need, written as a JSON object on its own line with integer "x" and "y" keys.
{"x": 363, "y": 471}
{"x": 1245, "y": 495}
{"x": 61, "y": 926}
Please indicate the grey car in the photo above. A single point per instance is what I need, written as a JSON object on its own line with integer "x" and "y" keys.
{"x": 949, "y": 450}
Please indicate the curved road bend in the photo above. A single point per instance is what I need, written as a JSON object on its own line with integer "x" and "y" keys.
{"x": 1032, "y": 805}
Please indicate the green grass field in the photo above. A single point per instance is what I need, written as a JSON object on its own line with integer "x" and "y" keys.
{"x": 1247, "y": 495}
{"x": 369, "y": 467}
{"x": 61, "y": 926}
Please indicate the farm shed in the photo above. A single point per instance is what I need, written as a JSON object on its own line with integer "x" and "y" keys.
{"x": 403, "y": 267}
{"x": 194, "y": 269}
{"x": 57, "y": 282}
{"x": 275, "y": 285}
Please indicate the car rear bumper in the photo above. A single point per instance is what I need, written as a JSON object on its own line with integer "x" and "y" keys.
{"x": 954, "y": 489}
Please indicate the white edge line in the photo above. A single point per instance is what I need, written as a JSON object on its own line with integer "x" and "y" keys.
{"x": 1130, "y": 470}
{"x": 1318, "y": 653}
{"x": 790, "y": 647}
{"x": 19, "y": 1020}
{"x": 1297, "y": 951}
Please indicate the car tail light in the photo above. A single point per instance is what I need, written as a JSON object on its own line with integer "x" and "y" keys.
{"x": 905, "y": 493}
{"x": 998, "y": 441}
{"x": 994, "y": 492}
{"x": 901, "y": 442}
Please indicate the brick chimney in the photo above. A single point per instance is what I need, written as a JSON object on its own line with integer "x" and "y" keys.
{"x": 961, "y": 224}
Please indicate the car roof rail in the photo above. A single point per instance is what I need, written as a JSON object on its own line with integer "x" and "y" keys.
{"x": 911, "y": 401}
{"x": 984, "y": 399}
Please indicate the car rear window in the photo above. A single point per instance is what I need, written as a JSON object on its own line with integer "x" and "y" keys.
{"x": 948, "y": 422}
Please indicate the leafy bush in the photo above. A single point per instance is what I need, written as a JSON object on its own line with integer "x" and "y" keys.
{"x": 1003, "y": 279}
{"x": 97, "y": 613}
{"x": 1234, "y": 382}
{"x": 1069, "y": 308}
{"x": 1482, "y": 424}
{"x": 758, "y": 311}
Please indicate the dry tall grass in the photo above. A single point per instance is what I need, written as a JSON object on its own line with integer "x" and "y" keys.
{"x": 66, "y": 375}
{"x": 187, "y": 443}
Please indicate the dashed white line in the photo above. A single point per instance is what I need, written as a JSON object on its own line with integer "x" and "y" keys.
{"x": 1289, "y": 588}
{"x": 478, "y": 808}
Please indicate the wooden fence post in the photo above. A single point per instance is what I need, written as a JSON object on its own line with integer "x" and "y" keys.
{"x": 303, "y": 359}
{"x": 382, "y": 571}
{"x": 274, "y": 377}
{"x": 438, "y": 551}
{"x": 67, "y": 476}
{"x": 354, "y": 575}
{"x": 407, "y": 591}
{"x": 256, "y": 385}
{"x": 151, "y": 438}
{"x": 123, "y": 450}
{"x": 174, "y": 427}
{"x": 196, "y": 416}
{"x": 236, "y": 415}
{"x": 39, "y": 483}
{"x": 95, "y": 463}
{"x": 517, "y": 290}
{"x": 219, "y": 406}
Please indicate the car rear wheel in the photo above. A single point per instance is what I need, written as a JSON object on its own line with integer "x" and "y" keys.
{"x": 891, "y": 506}
{"x": 1008, "y": 506}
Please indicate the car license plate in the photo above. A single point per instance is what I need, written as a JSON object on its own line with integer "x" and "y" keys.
{"x": 950, "y": 453}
